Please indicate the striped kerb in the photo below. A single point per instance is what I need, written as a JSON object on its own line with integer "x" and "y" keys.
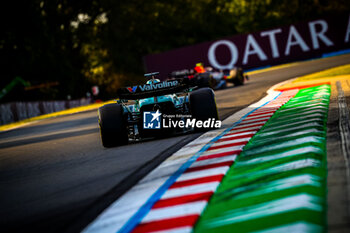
{"x": 180, "y": 207}
{"x": 278, "y": 182}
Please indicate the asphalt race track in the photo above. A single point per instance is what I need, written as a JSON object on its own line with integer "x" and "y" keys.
{"x": 55, "y": 176}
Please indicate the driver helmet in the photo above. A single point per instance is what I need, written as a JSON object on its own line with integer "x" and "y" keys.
{"x": 199, "y": 68}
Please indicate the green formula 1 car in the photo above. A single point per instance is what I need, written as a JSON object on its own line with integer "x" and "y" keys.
{"x": 157, "y": 109}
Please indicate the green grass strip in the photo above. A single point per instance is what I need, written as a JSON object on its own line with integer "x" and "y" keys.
{"x": 278, "y": 182}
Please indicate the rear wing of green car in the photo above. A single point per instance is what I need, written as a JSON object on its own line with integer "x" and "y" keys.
{"x": 154, "y": 89}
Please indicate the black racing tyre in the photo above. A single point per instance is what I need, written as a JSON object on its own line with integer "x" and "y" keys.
{"x": 239, "y": 79}
{"x": 113, "y": 128}
{"x": 206, "y": 80}
{"x": 203, "y": 105}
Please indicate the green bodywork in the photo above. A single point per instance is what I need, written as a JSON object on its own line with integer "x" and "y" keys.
{"x": 176, "y": 100}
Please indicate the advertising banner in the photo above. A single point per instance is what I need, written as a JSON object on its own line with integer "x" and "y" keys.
{"x": 274, "y": 46}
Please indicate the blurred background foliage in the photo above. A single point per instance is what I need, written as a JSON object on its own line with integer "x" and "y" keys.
{"x": 64, "y": 47}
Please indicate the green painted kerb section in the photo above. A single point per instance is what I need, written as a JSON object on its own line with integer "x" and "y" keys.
{"x": 278, "y": 183}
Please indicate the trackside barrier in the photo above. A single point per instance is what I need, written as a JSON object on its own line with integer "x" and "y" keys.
{"x": 16, "y": 111}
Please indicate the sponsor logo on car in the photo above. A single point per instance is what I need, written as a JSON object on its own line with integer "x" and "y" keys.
{"x": 155, "y": 86}
{"x": 132, "y": 89}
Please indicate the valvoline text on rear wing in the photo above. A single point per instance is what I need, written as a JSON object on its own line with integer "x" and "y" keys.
{"x": 153, "y": 89}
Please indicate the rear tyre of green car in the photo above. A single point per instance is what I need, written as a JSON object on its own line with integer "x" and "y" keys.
{"x": 113, "y": 127}
{"x": 203, "y": 105}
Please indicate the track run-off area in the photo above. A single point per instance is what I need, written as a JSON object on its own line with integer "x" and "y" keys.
{"x": 265, "y": 170}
